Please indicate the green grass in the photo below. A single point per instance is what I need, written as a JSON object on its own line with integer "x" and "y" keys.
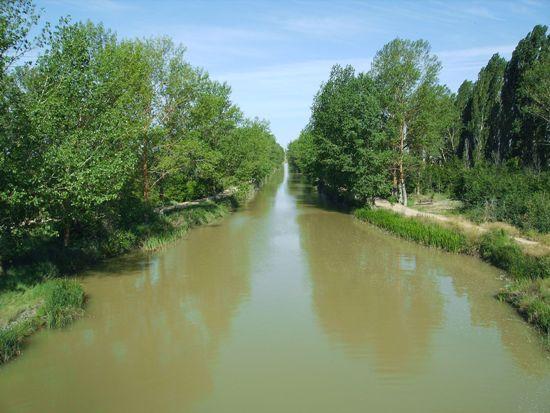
{"x": 530, "y": 291}
{"x": 423, "y": 232}
{"x": 532, "y": 300}
{"x": 503, "y": 252}
{"x": 178, "y": 223}
{"x": 53, "y": 303}
{"x": 33, "y": 295}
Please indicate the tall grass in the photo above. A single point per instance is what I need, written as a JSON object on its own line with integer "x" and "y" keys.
{"x": 532, "y": 300}
{"x": 54, "y": 304}
{"x": 426, "y": 233}
{"x": 503, "y": 252}
{"x": 180, "y": 222}
{"x": 530, "y": 291}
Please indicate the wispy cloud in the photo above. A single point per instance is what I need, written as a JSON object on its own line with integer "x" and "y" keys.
{"x": 96, "y": 5}
{"x": 322, "y": 25}
{"x": 476, "y": 52}
{"x": 482, "y": 12}
{"x": 283, "y": 92}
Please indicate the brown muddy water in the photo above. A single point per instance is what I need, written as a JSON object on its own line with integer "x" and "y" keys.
{"x": 286, "y": 306}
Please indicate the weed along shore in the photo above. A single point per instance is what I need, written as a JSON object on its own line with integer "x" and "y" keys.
{"x": 56, "y": 302}
{"x": 529, "y": 276}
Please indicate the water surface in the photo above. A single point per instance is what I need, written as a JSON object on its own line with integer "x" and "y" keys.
{"x": 286, "y": 306}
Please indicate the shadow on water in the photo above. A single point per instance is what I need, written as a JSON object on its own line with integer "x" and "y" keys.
{"x": 306, "y": 195}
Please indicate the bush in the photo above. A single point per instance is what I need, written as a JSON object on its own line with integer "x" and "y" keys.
{"x": 119, "y": 242}
{"x": 532, "y": 300}
{"x": 538, "y": 212}
{"x": 506, "y": 193}
{"x": 502, "y": 251}
{"x": 11, "y": 339}
{"x": 63, "y": 303}
{"x": 426, "y": 233}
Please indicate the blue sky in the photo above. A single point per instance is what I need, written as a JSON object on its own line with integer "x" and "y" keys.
{"x": 275, "y": 54}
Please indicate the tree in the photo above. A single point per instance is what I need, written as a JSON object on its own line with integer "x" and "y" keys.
{"x": 485, "y": 111}
{"x": 405, "y": 72}
{"x": 85, "y": 116}
{"x": 536, "y": 89}
{"x": 523, "y": 133}
{"x": 347, "y": 132}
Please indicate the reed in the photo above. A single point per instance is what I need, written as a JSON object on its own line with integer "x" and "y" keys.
{"x": 423, "y": 232}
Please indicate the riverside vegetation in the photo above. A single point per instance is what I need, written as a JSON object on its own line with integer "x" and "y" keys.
{"x": 396, "y": 130}
{"x": 95, "y": 134}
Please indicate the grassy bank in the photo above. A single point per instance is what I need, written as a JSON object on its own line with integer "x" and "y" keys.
{"x": 531, "y": 298}
{"x": 529, "y": 289}
{"x": 53, "y": 304}
{"x": 424, "y": 232}
{"x": 33, "y": 295}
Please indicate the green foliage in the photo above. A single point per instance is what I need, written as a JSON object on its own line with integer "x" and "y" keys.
{"x": 532, "y": 300}
{"x": 500, "y": 250}
{"x": 482, "y": 114}
{"x": 423, "y": 232}
{"x": 63, "y": 302}
{"x": 505, "y": 193}
{"x": 53, "y": 303}
{"x": 344, "y": 149}
{"x": 12, "y": 337}
{"x": 524, "y": 132}
{"x": 98, "y": 132}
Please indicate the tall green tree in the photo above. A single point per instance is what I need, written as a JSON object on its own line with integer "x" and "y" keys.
{"x": 485, "y": 108}
{"x": 524, "y": 134}
{"x": 406, "y": 73}
{"x": 347, "y": 131}
{"x": 85, "y": 121}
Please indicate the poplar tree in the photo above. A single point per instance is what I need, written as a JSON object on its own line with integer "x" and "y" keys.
{"x": 406, "y": 73}
{"x": 524, "y": 134}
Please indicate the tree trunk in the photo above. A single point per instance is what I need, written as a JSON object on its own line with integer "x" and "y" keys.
{"x": 402, "y": 187}
{"x": 66, "y": 235}
{"x": 145, "y": 170}
{"x": 394, "y": 182}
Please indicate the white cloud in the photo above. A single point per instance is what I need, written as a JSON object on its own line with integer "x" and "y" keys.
{"x": 476, "y": 52}
{"x": 96, "y": 5}
{"x": 283, "y": 93}
{"x": 482, "y": 12}
{"x": 322, "y": 25}
{"x": 463, "y": 64}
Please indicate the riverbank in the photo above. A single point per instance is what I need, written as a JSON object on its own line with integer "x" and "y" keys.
{"x": 528, "y": 289}
{"x": 34, "y": 297}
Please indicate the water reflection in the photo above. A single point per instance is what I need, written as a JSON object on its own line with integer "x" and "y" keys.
{"x": 369, "y": 297}
{"x": 380, "y": 296}
{"x": 155, "y": 328}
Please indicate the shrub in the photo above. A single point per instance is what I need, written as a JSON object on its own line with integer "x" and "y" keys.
{"x": 538, "y": 212}
{"x": 63, "y": 303}
{"x": 11, "y": 339}
{"x": 503, "y": 252}
{"x": 532, "y": 300}
{"x": 426, "y": 233}
{"x": 120, "y": 241}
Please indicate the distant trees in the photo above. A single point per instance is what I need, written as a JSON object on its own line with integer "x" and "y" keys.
{"x": 98, "y": 131}
{"x": 396, "y": 129}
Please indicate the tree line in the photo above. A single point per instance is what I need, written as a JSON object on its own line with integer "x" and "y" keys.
{"x": 396, "y": 129}
{"x": 97, "y": 131}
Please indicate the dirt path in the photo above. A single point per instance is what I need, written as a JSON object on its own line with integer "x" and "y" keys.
{"x": 461, "y": 222}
